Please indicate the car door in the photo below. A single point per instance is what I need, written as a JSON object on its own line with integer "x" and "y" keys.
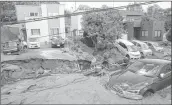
{"x": 161, "y": 83}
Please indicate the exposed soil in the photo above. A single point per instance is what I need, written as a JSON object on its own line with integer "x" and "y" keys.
{"x": 14, "y": 70}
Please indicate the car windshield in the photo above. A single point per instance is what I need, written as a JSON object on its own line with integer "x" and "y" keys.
{"x": 33, "y": 40}
{"x": 132, "y": 48}
{"x": 146, "y": 69}
{"x": 145, "y": 46}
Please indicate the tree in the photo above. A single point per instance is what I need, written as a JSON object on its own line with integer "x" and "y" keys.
{"x": 167, "y": 19}
{"x": 155, "y": 11}
{"x": 168, "y": 36}
{"x": 107, "y": 25}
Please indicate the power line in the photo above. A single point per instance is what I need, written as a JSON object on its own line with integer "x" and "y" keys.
{"x": 74, "y": 14}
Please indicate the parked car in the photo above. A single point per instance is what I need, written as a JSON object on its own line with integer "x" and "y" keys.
{"x": 14, "y": 46}
{"x": 143, "y": 48}
{"x": 128, "y": 49}
{"x": 57, "y": 41}
{"x": 34, "y": 43}
{"x": 154, "y": 46}
{"x": 142, "y": 78}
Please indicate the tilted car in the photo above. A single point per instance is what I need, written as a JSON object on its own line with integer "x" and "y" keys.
{"x": 128, "y": 49}
{"x": 142, "y": 78}
{"x": 143, "y": 48}
{"x": 154, "y": 46}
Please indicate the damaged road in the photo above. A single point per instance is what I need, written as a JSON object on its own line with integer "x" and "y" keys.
{"x": 53, "y": 81}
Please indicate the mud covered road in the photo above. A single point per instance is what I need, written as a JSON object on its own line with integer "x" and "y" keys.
{"x": 63, "y": 85}
{"x": 68, "y": 89}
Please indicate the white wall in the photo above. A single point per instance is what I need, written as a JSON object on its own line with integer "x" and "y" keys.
{"x": 76, "y": 22}
{"x": 62, "y": 21}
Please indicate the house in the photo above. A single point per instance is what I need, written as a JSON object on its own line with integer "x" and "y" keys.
{"x": 76, "y": 27}
{"x": 146, "y": 29}
{"x": 44, "y": 29}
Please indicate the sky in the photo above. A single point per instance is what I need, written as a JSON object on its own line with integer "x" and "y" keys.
{"x": 71, "y": 5}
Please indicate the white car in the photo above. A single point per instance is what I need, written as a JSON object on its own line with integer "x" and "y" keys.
{"x": 34, "y": 43}
{"x": 143, "y": 48}
{"x": 128, "y": 49}
{"x": 154, "y": 46}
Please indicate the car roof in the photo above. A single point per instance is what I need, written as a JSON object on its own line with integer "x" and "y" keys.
{"x": 137, "y": 41}
{"x": 125, "y": 41}
{"x": 149, "y": 42}
{"x": 155, "y": 61}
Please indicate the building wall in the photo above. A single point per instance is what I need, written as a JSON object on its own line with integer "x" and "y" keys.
{"x": 23, "y": 11}
{"x": 43, "y": 26}
{"x": 130, "y": 30}
{"x": 44, "y": 10}
{"x": 62, "y": 21}
{"x": 158, "y": 25}
{"x": 146, "y": 26}
{"x": 76, "y": 23}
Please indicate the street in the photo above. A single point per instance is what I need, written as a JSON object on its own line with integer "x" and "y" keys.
{"x": 46, "y": 53}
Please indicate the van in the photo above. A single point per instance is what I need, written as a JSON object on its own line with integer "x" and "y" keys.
{"x": 143, "y": 48}
{"x": 34, "y": 43}
{"x": 128, "y": 49}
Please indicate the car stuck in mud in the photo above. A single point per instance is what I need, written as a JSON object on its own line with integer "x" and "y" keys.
{"x": 142, "y": 78}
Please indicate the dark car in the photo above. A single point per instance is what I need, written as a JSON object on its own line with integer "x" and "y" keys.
{"x": 57, "y": 41}
{"x": 142, "y": 78}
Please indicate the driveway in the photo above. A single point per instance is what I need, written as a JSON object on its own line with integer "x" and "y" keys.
{"x": 47, "y": 53}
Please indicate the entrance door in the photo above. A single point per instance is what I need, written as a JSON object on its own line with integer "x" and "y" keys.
{"x": 137, "y": 32}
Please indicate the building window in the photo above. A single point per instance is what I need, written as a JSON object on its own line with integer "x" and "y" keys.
{"x": 157, "y": 33}
{"x": 54, "y": 31}
{"x": 144, "y": 33}
{"x": 35, "y": 31}
{"x": 33, "y": 14}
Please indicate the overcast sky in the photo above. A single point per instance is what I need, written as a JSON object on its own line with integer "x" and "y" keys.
{"x": 71, "y": 5}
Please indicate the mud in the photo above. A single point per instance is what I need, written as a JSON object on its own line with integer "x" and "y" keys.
{"x": 15, "y": 70}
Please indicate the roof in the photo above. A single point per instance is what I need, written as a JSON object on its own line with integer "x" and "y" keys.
{"x": 155, "y": 61}
{"x": 137, "y": 41}
{"x": 125, "y": 41}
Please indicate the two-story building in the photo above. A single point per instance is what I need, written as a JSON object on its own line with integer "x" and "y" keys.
{"x": 44, "y": 29}
{"x": 145, "y": 29}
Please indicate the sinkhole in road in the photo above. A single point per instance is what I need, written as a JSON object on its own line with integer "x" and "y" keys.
{"x": 15, "y": 70}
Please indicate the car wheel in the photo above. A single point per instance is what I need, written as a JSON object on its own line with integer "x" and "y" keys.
{"x": 148, "y": 94}
{"x": 128, "y": 57}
